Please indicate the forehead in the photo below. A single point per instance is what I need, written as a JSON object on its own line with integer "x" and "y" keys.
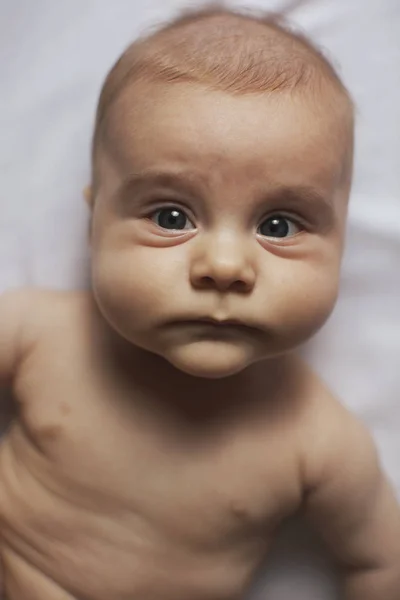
{"x": 284, "y": 138}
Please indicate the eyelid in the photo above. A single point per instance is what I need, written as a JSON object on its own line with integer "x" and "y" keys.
{"x": 164, "y": 204}
{"x": 296, "y": 219}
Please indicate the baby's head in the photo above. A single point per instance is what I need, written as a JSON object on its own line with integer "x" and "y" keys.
{"x": 222, "y": 162}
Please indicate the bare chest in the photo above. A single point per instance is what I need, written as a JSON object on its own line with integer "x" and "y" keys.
{"x": 93, "y": 483}
{"x": 210, "y": 488}
{"x": 85, "y": 428}
{"x": 139, "y": 521}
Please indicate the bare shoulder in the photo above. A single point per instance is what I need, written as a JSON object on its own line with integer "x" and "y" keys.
{"x": 41, "y": 297}
{"x": 331, "y": 436}
{"x": 54, "y": 311}
{"x": 347, "y": 497}
{"x": 29, "y": 315}
{"x": 36, "y": 308}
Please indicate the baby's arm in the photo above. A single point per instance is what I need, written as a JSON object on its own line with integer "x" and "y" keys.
{"x": 353, "y": 506}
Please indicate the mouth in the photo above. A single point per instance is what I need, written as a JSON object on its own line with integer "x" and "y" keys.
{"x": 226, "y": 325}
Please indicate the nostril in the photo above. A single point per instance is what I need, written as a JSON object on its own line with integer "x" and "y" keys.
{"x": 238, "y": 285}
{"x": 241, "y": 286}
{"x": 207, "y": 282}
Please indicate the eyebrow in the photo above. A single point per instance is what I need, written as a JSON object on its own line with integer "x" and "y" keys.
{"x": 186, "y": 182}
{"x": 316, "y": 205}
{"x": 307, "y": 199}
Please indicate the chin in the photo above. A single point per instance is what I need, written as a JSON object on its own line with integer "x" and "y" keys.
{"x": 206, "y": 372}
{"x": 210, "y": 363}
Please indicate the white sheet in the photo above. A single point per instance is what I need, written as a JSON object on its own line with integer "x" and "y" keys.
{"x": 53, "y": 57}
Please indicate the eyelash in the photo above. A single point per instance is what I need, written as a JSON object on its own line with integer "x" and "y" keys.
{"x": 167, "y": 205}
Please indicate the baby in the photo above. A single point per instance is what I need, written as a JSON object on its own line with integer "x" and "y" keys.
{"x": 166, "y": 428}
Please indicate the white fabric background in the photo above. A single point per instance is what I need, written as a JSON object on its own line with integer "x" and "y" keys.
{"x": 54, "y": 55}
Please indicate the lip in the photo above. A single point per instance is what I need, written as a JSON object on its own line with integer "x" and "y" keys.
{"x": 221, "y": 324}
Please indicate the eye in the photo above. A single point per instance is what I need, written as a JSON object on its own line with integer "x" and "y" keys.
{"x": 278, "y": 226}
{"x": 172, "y": 218}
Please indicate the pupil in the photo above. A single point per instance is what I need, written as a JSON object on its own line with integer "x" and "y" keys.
{"x": 171, "y": 219}
{"x": 275, "y": 227}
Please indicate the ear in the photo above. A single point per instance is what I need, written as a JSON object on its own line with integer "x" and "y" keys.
{"x": 87, "y": 192}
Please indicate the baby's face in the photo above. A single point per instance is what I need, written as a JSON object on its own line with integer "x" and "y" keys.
{"x": 218, "y": 228}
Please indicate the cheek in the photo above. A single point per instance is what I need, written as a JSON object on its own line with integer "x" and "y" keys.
{"x": 136, "y": 282}
{"x": 303, "y": 300}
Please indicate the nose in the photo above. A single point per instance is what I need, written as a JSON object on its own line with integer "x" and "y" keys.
{"x": 222, "y": 262}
